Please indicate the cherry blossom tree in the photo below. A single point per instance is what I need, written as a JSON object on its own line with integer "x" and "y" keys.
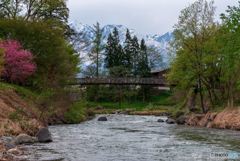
{"x": 18, "y": 63}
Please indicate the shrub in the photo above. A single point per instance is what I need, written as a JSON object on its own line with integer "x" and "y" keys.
{"x": 1, "y": 61}
{"x": 77, "y": 113}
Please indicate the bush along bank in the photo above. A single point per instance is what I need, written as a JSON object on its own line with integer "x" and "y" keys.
{"x": 77, "y": 113}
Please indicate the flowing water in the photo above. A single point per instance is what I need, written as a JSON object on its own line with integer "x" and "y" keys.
{"x": 136, "y": 138}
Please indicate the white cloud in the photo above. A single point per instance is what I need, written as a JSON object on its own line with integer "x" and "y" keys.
{"x": 145, "y": 16}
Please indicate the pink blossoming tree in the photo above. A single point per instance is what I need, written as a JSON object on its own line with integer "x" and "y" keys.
{"x": 18, "y": 63}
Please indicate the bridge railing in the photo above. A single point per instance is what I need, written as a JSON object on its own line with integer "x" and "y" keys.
{"x": 121, "y": 81}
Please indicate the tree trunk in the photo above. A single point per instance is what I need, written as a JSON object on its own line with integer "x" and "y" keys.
{"x": 230, "y": 95}
{"x": 201, "y": 94}
{"x": 97, "y": 65}
{"x": 211, "y": 97}
{"x": 120, "y": 96}
{"x": 191, "y": 104}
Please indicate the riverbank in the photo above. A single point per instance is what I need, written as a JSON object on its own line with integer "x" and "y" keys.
{"x": 144, "y": 112}
{"x": 227, "y": 119}
{"x": 17, "y": 115}
{"x": 159, "y": 104}
{"x": 24, "y": 113}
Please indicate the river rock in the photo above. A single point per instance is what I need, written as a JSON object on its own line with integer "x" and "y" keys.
{"x": 6, "y": 139}
{"x": 24, "y": 139}
{"x": 160, "y": 120}
{"x": 8, "y": 142}
{"x": 44, "y": 135}
{"x": 181, "y": 120}
{"x": 99, "y": 108}
{"x": 117, "y": 112}
{"x": 9, "y": 145}
{"x": 15, "y": 151}
{"x": 170, "y": 121}
{"x": 102, "y": 119}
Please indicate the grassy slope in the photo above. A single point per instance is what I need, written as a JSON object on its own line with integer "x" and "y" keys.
{"x": 22, "y": 91}
{"x": 19, "y": 112}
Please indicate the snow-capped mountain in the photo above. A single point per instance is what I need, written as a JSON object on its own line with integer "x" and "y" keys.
{"x": 159, "y": 43}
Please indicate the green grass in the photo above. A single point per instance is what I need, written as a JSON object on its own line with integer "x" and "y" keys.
{"x": 16, "y": 115}
{"x": 27, "y": 93}
{"x": 116, "y": 105}
{"x": 161, "y": 101}
{"x": 22, "y": 91}
{"x": 77, "y": 113}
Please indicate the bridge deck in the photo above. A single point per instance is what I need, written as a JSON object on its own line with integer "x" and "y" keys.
{"x": 121, "y": 81}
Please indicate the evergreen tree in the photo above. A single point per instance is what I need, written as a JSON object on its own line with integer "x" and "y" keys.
{"x": 143, "y": 64}
{"x": 135, "y": 54}
{"x": 114, "y": 54}
{"x": 118, "y": 59}
{"x": 97, "y": 48}
{"x": 109, "y": 52}
{"x": 127, "y": 62}
{"x": 143, "y": 68}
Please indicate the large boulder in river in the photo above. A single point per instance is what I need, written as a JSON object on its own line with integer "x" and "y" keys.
{"x": 44, "y": 136}
{"x": 102, "y": 118}
{"x": 24, "y": 139}
{"x": 160, "y": 120}
{"x": 170, "y": 121}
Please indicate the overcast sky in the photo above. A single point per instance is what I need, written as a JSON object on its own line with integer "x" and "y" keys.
{"x": 144, "y": 16}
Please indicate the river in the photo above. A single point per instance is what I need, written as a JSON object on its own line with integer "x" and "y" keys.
{"x": 136, "y": 138}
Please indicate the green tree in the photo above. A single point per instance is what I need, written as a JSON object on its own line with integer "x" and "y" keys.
{"x": 34, "y": 9}
{"x": 135, "y": 55}
{"x": 191, "y": 32}
{"x": 143, "y": 68}
{"x": 54, "y": 12}
{"x": 230, "y": 40}
{"x": 110, "y": 52}
{"x": 114, "y": 55}
{"x": 56, "y": 60}
{"x": 97, "y": 49}
{"x": 128, "y": 51}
